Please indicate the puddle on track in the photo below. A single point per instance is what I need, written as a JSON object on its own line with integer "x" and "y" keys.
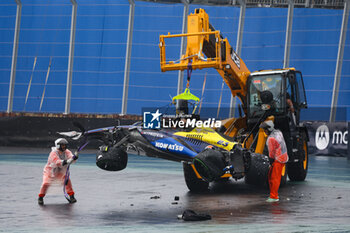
{"x": 121, "y": 201}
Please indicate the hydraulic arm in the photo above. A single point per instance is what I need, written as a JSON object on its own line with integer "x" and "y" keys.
{"x": 206, "y": 48}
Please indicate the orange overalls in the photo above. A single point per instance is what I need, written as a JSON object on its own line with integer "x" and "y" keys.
{"x": 55, "y": 171}
{"x": 277, "y": 151}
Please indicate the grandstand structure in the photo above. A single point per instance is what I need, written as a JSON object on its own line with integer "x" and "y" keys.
{"x": 71, "y": 56}
{"x": 335, "y": 4}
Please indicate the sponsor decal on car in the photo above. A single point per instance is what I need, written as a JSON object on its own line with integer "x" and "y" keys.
{"x": 173, "y": 146}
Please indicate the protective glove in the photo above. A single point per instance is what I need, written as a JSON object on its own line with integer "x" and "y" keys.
{"x": 76, "y": 155}
{"x": 271, "y": 160}
{"x": 64, "y": 162}
{"x": 69, "y": 161}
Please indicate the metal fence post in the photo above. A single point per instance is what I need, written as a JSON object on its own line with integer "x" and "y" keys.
{"x": 127, "y": 57}
{"x": 338, "y": 68}
{"x": 238, "y": 48}
{"x": 71, "y": 56}
{"x": 14, "y": 56}
{"x": 180, "y": 77}
{"x": 288, "y": 34}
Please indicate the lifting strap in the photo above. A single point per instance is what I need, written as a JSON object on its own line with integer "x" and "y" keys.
{"x": 189, "y": 72}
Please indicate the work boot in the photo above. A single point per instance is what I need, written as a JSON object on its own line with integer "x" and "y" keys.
{"x": 72, "y": 199}
{"x": 41, "y": 200}
{"x": 272, "y": 199}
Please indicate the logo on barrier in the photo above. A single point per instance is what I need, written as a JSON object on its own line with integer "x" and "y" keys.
{"x": 322, "y": 137}
{"x": 151, "y": 120}
{"x": 340, "y": 137}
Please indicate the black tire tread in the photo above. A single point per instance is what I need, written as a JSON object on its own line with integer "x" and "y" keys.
{"x": 193, "y": 183}
{"x": 258, "y": 171}
{"x": 296, "y": 171}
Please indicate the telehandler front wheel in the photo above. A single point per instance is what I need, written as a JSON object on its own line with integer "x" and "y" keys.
{"x": 284, "y": 176}
{"x": 297, "y": 171}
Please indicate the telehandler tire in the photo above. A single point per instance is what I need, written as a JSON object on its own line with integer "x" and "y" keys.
{"x": 297, "y": 171}
{"x": 284, "y": 176}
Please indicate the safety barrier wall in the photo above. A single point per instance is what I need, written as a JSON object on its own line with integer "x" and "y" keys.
{"x": 328, "y": 138}
{"x": 34, "y": 130}
{"x": 348, "y": 140}
{"x": 100, "y": 49}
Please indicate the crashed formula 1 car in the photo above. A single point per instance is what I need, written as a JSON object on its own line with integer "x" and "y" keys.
{"x": 206, "y": 154}
{"x": 237, "y": 148}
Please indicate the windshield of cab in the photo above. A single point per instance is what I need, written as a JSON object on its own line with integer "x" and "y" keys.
{"x": 260, "y": 83}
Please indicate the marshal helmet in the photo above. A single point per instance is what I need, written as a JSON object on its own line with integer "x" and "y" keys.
{"x": 267, "y": 125}
{"x": 59, "y": 142}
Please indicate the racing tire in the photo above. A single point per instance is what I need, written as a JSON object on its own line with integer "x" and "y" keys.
{"x": 111, "y": 158}
{"x": 210, "y": 164}
{"x": 194, "y": 184}
{"x": 258, "y": 171}
{"x": 297, "y": 171}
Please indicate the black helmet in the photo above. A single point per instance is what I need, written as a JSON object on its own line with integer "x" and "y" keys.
{"x": 266, "y": 97}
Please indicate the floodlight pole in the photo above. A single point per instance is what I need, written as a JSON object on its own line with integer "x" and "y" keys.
{"x": 127, "y": 57}
{"x": 338, "y": 68}
{"x": 14, "y": 56}
{"x": 180, "y": 77}
{"x": 238, "y": 48}
{"x": 71, "y": 56}
{"x": 288, "y": 33}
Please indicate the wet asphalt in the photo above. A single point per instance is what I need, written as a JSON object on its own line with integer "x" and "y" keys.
{"x": 150, "y": 193}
